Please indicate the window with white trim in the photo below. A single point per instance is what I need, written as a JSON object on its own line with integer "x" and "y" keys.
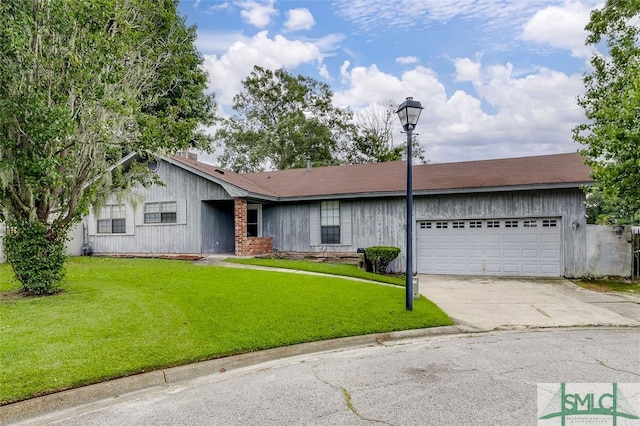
{"x": 458, "y": 225}
{"x": 475, "y": 224}
{"x": 549, "y": 223}
{"x": 493, "y": 224}
{"x": 425, "y": 225}
{"x": 165, "y": 212}
{"x": 330, "y": 222}
{"x": 442, "y": 225}
{"x": 530, "y": 224}
{"x": 510, "y": 223}
{"x": 112, "y": 219}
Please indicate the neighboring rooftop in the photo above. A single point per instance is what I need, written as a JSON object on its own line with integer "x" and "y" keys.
{"x": 545, "y": 171}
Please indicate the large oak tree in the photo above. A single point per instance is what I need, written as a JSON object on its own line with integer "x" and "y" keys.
{"x": 82, "y": 85}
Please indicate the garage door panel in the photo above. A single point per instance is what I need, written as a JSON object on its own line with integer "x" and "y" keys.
{"x": 530, "y": 239}
{"x": 515, "y": 239}
{"x": 511, "y": 253}
{"x": 528, "y": 246}
{"x": 475, "y": 239}
{"x": 493, "y": 239}
{"x": 550, "y": 238}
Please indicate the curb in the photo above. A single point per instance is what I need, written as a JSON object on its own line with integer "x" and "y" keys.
{"x": 39, "y": 406}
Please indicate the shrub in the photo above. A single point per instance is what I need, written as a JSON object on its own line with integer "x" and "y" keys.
{"x": 36, "y": 253}
{"x": 378, "y": 258}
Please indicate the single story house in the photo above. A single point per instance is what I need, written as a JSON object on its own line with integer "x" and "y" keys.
{"x": 516, "y": 216}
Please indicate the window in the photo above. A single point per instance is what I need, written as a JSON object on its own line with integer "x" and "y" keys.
{"x": 530, "y": 224}
{"x": 457, "y": 225}
{"x": 161, "y": 212}
{"x": 475, "y": 224}
{"x": 442, "y": 225}
{"x": 330, "y": 222}
{"x": 253, "y": 220}
{"x": 510, "y": 223}
{"x": 112, "y": 219}
{"x": 549, "y": 223}
{"x": 425, "y": 225}
{"x": 493, "y": 224}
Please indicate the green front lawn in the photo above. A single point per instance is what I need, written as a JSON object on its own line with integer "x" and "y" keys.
{"x": 124, "y": 316}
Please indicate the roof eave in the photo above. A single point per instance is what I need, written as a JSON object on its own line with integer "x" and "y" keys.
{"x": 233, "y": 190}
{"x": 385, "y": 194}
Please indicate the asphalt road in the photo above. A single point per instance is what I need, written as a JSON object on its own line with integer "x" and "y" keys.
{"x": 471, "y": 379}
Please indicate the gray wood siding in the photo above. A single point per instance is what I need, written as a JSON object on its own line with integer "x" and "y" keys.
{"x": 184, "y": 237}
{"x": 288, "y": 224}
{"x": 382, "y": 221}
{"x": 218, "y": 227}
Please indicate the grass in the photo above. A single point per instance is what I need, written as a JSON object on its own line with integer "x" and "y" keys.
{"x": 119, "y": 317}
{"x": 321, "y": 267}
{"x": 609, "y": 285}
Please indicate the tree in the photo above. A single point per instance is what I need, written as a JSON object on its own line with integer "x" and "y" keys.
{"x": 612, "y": 104}
{"x": 374, "y": 141}
{"x": 83, "y": 84}
{"x": 280, "y": 121}
{"x": 603, "y": 210}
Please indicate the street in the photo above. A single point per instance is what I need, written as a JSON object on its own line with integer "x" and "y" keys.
{"x": 465, "y": 379}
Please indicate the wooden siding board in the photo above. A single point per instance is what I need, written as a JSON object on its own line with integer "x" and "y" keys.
{"x": 217, "y": 227}
{"x": 288, "y": 224}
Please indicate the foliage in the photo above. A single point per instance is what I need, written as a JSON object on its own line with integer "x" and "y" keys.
{"x": 82, "y": 85}
{"x": 374, "y": 142}
{"x": 612, "y": 104}
{"x": 36, "y": 253}
{"x": 604, "y": 210}
{"x": 118, "y": 317}
{"x": 280, "y": 121}
{"x": 605, "y": 285}
{"x": 340, "y": 269}
{"x": 379, "y": 257}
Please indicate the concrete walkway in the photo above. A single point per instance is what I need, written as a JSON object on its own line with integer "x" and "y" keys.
{"x": 488, "y": 303}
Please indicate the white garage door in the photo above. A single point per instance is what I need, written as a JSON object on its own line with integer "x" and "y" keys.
{"x": 512, "y": 247}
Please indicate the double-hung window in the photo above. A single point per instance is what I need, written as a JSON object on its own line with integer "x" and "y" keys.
{"x": 161, "y": 212}
{"x": 330, "y": 222}
{"x": 112, "y": 219}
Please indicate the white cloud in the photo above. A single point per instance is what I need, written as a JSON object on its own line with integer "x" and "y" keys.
{"x": 466, "y": 69}
{"x": 257, "y": 13}
{"x": 561, "y": 27}
{"x": 528, "y": 115}
{"x": 226, "y": 71}
{"x": 299, "y": 19}
{"x": 407, "y": 60}
{"x": 324, "y": 72}
{"x": 218, "y": 42}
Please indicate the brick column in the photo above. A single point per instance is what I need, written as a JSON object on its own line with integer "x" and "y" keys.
{"x": 240, "y": 223}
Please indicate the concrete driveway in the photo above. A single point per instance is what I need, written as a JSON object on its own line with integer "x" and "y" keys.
{"x": 489, "y": 303}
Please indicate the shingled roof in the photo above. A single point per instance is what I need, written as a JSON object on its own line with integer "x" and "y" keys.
{"x": 387, "y": 179}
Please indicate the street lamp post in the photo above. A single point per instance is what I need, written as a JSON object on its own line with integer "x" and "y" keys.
{"x": 409, "y": 113}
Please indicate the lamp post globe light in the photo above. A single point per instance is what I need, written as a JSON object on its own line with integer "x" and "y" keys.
{"x": 409, "y": 113}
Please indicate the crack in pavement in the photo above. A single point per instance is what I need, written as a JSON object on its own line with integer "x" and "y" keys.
{"x": 602, "y": 363}
{"x": 347, "y": 397}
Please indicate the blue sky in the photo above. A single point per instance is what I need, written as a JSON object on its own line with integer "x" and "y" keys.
{"x": 497, "y": 78}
